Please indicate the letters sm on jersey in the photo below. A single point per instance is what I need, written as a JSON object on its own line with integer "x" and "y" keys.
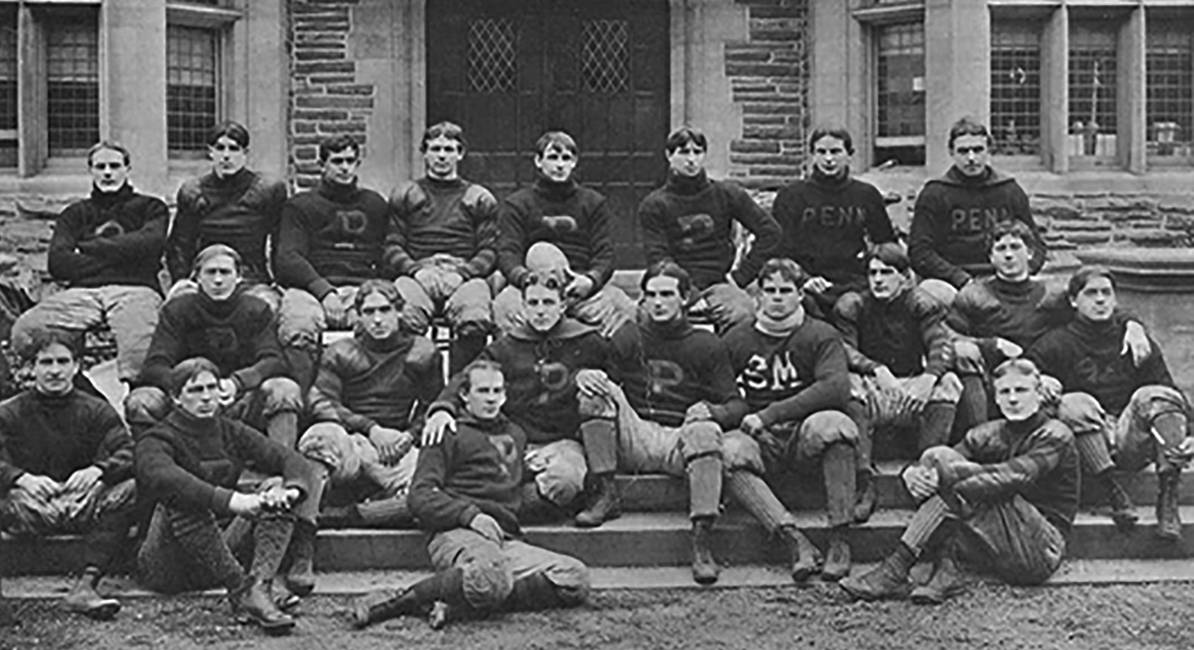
{"x": 770, "y": 377}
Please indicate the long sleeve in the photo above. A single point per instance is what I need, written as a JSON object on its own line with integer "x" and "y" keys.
{"x": 405, "y": 201}
{"x": 830, "y": 388}
{"x": 653, "y": 220}
{"x": 925, "y": 240}
{"x": 326, "y": 396}
{"x": 9, "y": 471}
{"x": 726, "y": 403}
{"x": 938, "y": 340}
{"x": 512, "y": 243}
{"x": 184, "y": 233}
{"x": 766, "y": 231}
{"x": 292, "y": 265}
{"x": 145, "y": 242}
{"x": 115, "y": 453}
{"x": 435, "y": 508}
{"x": 979, "y": 482}
{"x": 269, "y": 456}
{"x": 165, "y": 348}
{"x": 160, "y": 475}
{"x": 268, "y": 360}
{"x": 601, "y": 268}
{"x": 878, "y": 223}
{"x": 64, "y": 260}
{"x": 846, "y": 314}
{"x": 482, "y": 209}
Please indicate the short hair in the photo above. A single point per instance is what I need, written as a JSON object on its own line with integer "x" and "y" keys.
{"x": 548, "y": 280}
{"x": 891, "y": 254}
{"x": 1083, "y": 275}
{"x": 967, "y": 126}
{"x": 213, "y": 251}
{"x": 670, "y": 269}
{"x": 40, "y": 338}
{"x": 338, "y": 143}
{"x": 384, "y": 287}
{"x": 449, "y": 130}
{"x": 188, "y": 369}
{"x": 1020, "y": 366}
{"x": 685, "y": 135}
{"x": 1012, "y": 228}
{"x": 230, "y": 129}
{"x": 835, "y": 131}
{"x": 474, "y": 365}
{"x": 558, "y": 139}
{"x": 110, "y": 145}
{"x": 786, "y": 268}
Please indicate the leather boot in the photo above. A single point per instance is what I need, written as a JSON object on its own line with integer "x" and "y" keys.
{"x": 604, "y": 505}
{"x": 252, "y": 603}
{"x": 888, "y": 580}
{"x": 806, "y": 559}
{"x": 947, "y": 582}
{"x": 705, "y": 570}
{"x": 837, "y": 566}
{"x": 84, "y": 599}
{"x": 381, "y": 605}
{"x": 1122, "y": 512}
{"x": 1169, "y": 522}
{"x": 300, "y": 578}
{"x": 864, "y": 503}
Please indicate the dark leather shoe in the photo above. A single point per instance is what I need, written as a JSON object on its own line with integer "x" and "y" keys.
{"x": 85, "y": 600}
{"x": 255, "y": 605}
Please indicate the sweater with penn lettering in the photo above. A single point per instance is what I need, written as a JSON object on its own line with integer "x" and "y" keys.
{"x": 827, "y": 223}
{"x": 451, "y": 217}
{"x": 576, "y": 219}
{"x": 952, "y": 223}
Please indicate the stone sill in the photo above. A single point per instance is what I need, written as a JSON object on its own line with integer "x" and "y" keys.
{"x": 1147, "y": 270}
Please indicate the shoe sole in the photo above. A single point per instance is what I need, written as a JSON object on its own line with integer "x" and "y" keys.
{"x": 805, "y": 572}
{"x": 926, "y": 597}
{"x": 585, "y": 523}
{"x": 105, "y": 612}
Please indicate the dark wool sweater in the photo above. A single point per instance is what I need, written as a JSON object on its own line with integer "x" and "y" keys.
{"x": 241, "y": 211}
{"x": 109, "y": 238}
{"x": 1035, "y": 458}
{"x": 952, "y": 223}
{"x": 239, "y": 335}
{"x": 576, "y": 219}
{"x": 666, "y": 368}
{"x": 363, "y": 382}
{"x": 827, "y": 222}
{"x": 193, "y": 463}
{"x": 56, "y": 435}
{"x": 476, "y": 470}
{"x": 454, "y": 217}
{"x": 540, "y": 372}
{"x": 1017, "y": 311}
{"x": 907, "y": 333}
{"x": 690, "y": 221}
{"x": 787, "y": 379}
{"x": 1085, "y": 357}
{"x": 332, "y": 236}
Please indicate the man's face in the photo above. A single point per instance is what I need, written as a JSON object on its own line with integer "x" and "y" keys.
{"x": 1010, "y": 256}
{"x": 885, "y": 280}
{"x": 108, "y": 171}
{"x": 556, "y": 163}
{"x": 218, "y": 277}
{"x": 442, "y": 157}
{"x": 227, "y": 156}
{"x": 341, "y": 166}
{"x": 544, "y": 308}
{"x": 200, "y": 396}
{"x": 54, "y": 369}
{"x": 662, "y": 299}
{"x": 829, "y": 155}
{"x": 970, "y": 154}
{"x": 378, "y": 316}
{"x": 1096, "y": 301}
{"x": 1018, "y": 396}
{"x": 781, "y": 297}
{"x": 486, "y": 393}
{"x": 687, "y": 160}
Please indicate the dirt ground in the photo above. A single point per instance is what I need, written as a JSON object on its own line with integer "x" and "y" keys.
{"x": 1123, "y": 617}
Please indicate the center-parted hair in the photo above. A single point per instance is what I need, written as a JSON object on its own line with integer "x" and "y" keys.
{"x": 668, "y": 268}
{"x": 40, "y": 338}
{"x": 234, "y": 131}
{"x": 558, "y": 139}
{"x": 685, "y": 135}
{"x": 892, "y": 254}
{"x": 338, "y": 143}
{"x": 967, "y": 126}
{"x": 1014, "y": 228}
{"x": 1019, "y": 366}
{"x": 449, "y": 130}
{"x": 110, "y": 145}
{"x": 835, "y": 131}
{"x": 478, "y": 364}
{"x": 786, "y": 268}
{"x": 215, "y": 250}
{"x": 384, "y": 287}
{"x": 1084, "y": 275}
{"x": 188, "y": 369}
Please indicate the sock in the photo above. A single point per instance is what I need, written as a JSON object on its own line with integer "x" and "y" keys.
{"x": 837, "y": 466}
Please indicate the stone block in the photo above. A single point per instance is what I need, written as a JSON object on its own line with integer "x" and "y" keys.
{"x": 306, "y": 152}
{"x": 1089, "y": 237}
{"x": 765, "y": 120}
{"x": 343, "y": 127}
{"x": 319, "y": 55}
{"x": 350, "y": 89}
{"x": 331, "y": 79}
{"x": 324, "y": 101}
{"x": 320, "y": 25}
{"x": 760, "y": 69}
{"x": 1179, "y": 221}
{"x": 784, "y": 171}
{"x": 771, "y": 133}
{"x": 754, "y": 146}
{"x": 304, "y": 127}
{"x": 775, "y": 35}
{"x": 320, "y": 115}
{"x": 1056, "y": 209}
{"x": 766, "y": 159}
{"x": 773, "y": 108}
{"x": 1122, "y": 204}
{"x": 325, "y": 67}
{"x": 777, "y": 12}
{"x": 1132, "y": 217}
{"x": 748, "y": 56}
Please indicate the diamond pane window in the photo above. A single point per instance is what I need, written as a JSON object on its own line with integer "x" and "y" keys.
{"x": 491, "y": 55}
{"x": 901, "y": 80}
{"x": 1169, "y": 84}
{"x": 605, "y": 56}
{"x": 1092, "y": 89}
{"x": 8, "y": 71}
{"x": 191, "y": 64}
{"x": 72, "y": 88}
{"x": 1016, "y": 88}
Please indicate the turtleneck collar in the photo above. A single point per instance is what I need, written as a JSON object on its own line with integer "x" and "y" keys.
{"x": 778, "y": 328}
{"x": 1012, "y": 287}
{"x": 337, "y": 192}
{"x": 676, "y": 328}
{"x": 1094, "y": 331}
{"x": 832, "y": 183}
{"x": 190, "y": 423}
{"x": 108, "y": 199}
{"x": 53, "y": 398}
{"x": 491, "y": 426}
{"x": 1024, "y": 427}
{"x": 957, "y": 176}
{"x": 555, "y": 190}
{"x": 221, "y": 308}
{"x": 399, "y": 341}
{"x": 444, "y": 183}
{"x": 681, "y": 184}
{"x": 241, "y": 177}
{"x": 566, "y": 328}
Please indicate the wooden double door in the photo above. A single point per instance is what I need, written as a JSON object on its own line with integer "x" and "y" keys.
{"x": 508, "y": 70}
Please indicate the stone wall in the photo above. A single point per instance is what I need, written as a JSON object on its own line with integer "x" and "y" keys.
{"x": 326, "y": 97}
{"x": 769, "y": 78}
{"x": 1086, "y": 220}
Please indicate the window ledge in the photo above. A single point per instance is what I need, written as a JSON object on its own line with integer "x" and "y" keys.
{"x": 200, "y": 15}
{"x": 890, "y": 14}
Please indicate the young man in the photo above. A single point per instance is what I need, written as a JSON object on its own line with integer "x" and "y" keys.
{"x": 331, "y": 239}
{"x": 443, "y": 245}
{"x": 558, "y": 225}
{"x": 368, "y": 397}
{"x": 1004, "y": 499}
{"x": 689, "y": 221}
{"x": 223, "y": 323}
{"x": 954, "y": 215}
{"x": 66, "y": 466}
{"x": 190, "y": 464}
{"x": 1124, "y": 415}
{"x": 829, "y": 218}
{"x": 549, "y": 364}
{"x": 466, "y": 495}
{"x": 229, "y": 205}
{"x": 677, "y": 395}
{"x": 106, "y": 249}
{"x": 899, "y": 351}
{"x": 792, "y": 368}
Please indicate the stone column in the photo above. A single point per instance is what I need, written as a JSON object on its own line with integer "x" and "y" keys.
{"x": 132, "y": 86}
{"x": 957, "y": 72}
